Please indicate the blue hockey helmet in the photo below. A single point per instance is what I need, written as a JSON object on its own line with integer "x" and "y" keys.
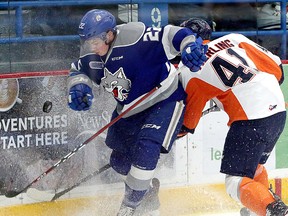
{"x": 96, "y": 23}
{"x": 199, "y": 27}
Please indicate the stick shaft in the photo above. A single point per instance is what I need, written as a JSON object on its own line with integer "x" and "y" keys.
{"x": 210, "y": 109}
{"x": 88, "y": 177}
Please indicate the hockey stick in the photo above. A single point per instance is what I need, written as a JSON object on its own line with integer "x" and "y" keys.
{"x": 13, "y": 193}
{"x": 107, "y": 166}
{"x": 210, "y": 109}
{"x": 39, "y": 195}
{"x": 88, "y": 177}
{"x": 44, "y": 196}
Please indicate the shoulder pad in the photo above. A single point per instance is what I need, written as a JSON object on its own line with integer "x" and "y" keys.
{"x": 129, "y": 33}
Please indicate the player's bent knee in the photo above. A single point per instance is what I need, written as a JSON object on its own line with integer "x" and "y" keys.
{"x": 120, "y": 163}
{"x": 147, "y": 154}
{"x": 260, "y": 171}
{"x": 232, "y": 184}
{"x": 261, "y": 176}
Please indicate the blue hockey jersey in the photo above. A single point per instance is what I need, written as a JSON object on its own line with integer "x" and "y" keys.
{"x": 138, "y": 61}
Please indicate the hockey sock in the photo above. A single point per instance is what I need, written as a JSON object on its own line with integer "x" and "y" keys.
{"x": 255, "y": 196}
{"x": 132, "y": 197}
{"x": 261, "y": 176}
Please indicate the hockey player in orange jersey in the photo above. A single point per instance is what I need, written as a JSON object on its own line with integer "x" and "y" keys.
{"x": 243, "y": 78}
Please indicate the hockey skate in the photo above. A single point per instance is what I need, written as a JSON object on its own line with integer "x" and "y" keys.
{"x": 277, "y": 208}
{"x": 125, "y": 211}
{"x": 150, "y": 204}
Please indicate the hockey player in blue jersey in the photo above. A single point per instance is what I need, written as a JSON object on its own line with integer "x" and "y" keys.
{"x": 129, "y": 60}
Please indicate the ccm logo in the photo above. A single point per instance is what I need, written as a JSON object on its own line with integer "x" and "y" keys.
{"x": 151, "y": 126}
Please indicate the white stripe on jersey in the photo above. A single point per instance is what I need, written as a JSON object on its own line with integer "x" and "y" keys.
{"x": 173, "y": 123}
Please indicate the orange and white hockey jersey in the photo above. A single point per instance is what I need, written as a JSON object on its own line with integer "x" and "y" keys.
{"x": 240, "y": 76}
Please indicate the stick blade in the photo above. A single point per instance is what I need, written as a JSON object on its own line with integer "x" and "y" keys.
{"x": 11, "y": 194}
{"x": 39, "y": 195}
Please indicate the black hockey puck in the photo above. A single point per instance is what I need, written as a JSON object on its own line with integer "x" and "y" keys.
{"x": 47, "y": 106}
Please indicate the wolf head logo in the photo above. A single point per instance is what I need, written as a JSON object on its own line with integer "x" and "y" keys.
{"x": 116, "y": 84}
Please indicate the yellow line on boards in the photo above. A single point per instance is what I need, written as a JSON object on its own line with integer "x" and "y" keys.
{"x": 180, "y": 201}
